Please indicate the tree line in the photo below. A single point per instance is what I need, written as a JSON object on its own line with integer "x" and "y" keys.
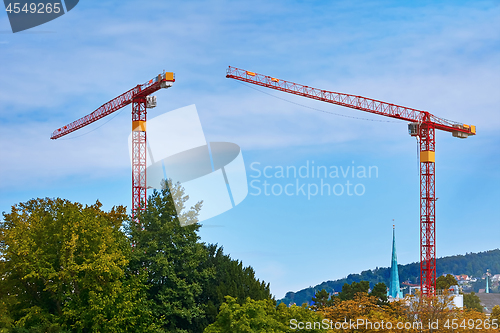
{"x": 354, "y": 310}
{"x": 66, "y": 267}
{"x": 472, "y": 264}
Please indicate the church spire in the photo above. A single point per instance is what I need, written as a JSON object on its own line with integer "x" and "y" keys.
{"x": 487, "y": 285}
{"x": 394, "y": 289}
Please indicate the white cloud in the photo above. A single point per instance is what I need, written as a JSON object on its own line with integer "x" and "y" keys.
{"x": 435, "y": 57}
{"x": 427, "y": 60}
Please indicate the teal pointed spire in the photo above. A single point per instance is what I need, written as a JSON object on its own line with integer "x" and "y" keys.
{"x": 394, "y": 289}
{"x": 487, "y": 285}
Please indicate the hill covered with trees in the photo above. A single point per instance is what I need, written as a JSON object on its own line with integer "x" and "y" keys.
{"x": 472, "y": 264}
{"x": 66, "y": 267}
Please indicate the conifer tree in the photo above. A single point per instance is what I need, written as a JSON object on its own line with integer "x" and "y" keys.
{"x": 172, "y": 259}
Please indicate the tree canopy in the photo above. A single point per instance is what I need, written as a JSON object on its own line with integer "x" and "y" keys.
{"x": 69, "y": 267}
{"x": 472, "y": 301}
{"x": 264, "y": 316}
{"x": 230, "y": 278}
{"x": 170, "y": 256}
{"x": 348, "y": 291}
{"x": 495, "y": 313}
{"x": 321, "y": 299}
{"x": 187, "y": 279}
{"x": 63, "y": 267}
{"x": 66, "y": 267}
{"x": 445, "y": 282}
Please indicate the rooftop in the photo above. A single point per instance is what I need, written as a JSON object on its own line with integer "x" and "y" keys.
{"x": 489, "y": 301}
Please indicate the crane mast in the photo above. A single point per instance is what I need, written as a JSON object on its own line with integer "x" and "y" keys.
{"x": 422, "y": 125}
{"x": 140, "y": 98}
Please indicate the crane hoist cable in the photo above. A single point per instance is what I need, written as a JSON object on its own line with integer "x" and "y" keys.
{"x": 77, "y": 136}
{"x": 319, "y": 110}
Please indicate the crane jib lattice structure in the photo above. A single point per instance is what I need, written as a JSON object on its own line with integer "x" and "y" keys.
{"x": 422, "y": 125}
{"x": 140, "y": 98}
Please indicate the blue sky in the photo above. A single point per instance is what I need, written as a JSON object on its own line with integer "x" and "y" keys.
{"x": 439, "y": 56}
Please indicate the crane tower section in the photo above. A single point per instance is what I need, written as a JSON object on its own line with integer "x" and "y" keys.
{"x": 422, "y": 124}
{"x": 140, "y": 98}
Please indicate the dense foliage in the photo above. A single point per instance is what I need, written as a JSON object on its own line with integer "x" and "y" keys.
{"x": 66, "y": 267}
{"x": 263, "y": 316}
{"x": 170, "y": 257}
{"x": 323, "y": 299}
{"x": 63, "y": 266}
{"x": 362, "y": 313}
{"x": 230, "y": 278}
{"x": 495, "y": 313}
{"x": 472, "y": 301}
{"x": 444, "y": 282}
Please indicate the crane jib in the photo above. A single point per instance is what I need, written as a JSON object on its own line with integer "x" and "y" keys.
{"x": 422, "y": 125}
{"x": 353, "y": 101}
{"x": 141, "y": 90}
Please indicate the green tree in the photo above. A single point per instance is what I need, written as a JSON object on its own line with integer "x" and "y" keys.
{"x": 63, "y": 266}
{"x": 495, "y": 313}
{"x": 349, "y": 291}
{"x": 230, "y": 278}
{"x": 263, "y": 316}
{"x": 445, "y": 282}
{"x": 472, "y": 301}
{"x": 380, "y": 291}
{"x": 321, "y": 299}
{"x": 172, "y": 258}
{"x": 293, "y": 315}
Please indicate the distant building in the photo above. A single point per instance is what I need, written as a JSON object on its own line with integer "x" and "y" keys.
{"x": 462, "y": 277}
{"x": 458, "y": 299}
{"x": 453, "y": 292}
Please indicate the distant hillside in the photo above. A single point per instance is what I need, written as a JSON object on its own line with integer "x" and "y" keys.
{"x": 472, "y": 264}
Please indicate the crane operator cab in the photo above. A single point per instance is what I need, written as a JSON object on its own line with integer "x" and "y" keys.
{"x": 150, "y": 101}
{"x": 413, "y": 129}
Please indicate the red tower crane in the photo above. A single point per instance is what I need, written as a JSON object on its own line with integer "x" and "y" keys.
{"x": 422, "y": 125}
{"x": 140, "y": 98}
